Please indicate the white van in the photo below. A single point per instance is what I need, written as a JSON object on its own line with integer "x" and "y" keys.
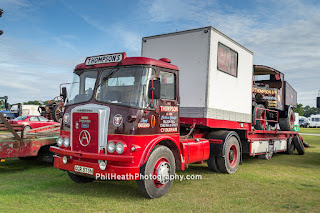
{"x": 314, "y": 121}
{"x": 303, "y": 121}
{"x": 26, "y": 109}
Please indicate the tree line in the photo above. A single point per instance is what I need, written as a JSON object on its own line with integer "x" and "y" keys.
{"x": 36, "y": 103}
{"x": 306, "y": 111}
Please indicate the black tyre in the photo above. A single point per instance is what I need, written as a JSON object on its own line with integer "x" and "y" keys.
{"x": 160, "y": 164}
{"x": 258, "y": 114}
{"x": 79, "y": 179}
{"x": 29, "y": 158}
{"x": 298, "y": 145}
{"x": 212, "y": 164}
{"x": 230, "y": 162}
{"x": 290, "y": 146}
{"x": 286, "y": 124}
{"x": 27, "y": 129}
{"x": 56, "y": 113}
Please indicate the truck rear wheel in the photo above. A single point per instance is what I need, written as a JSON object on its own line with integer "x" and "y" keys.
{"x": 298, "y": 145}
{"x": 286, "y": 124}
{"x": 79, "y": 179}
{"x": 290, "y": 146}
{"x": 229, "y": 163}
{"x": 212, "y": 164}
{"x": 157, "y": 173}
{"x": 258, "y": 114}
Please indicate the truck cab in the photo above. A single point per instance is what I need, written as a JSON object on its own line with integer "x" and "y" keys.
{"x": 117, "y": 109}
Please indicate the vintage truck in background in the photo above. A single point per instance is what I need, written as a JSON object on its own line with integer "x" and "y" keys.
{"x": 271, "y": 91}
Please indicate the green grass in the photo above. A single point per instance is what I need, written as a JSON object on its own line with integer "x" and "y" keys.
{"x": 310, "y": 130}
{"x": 286, "y": 183}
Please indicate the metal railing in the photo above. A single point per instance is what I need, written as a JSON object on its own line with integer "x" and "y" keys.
{"x": 263, "y": 117}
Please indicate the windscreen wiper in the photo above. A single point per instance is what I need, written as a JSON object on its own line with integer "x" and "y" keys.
{"x": 112, "y": 72}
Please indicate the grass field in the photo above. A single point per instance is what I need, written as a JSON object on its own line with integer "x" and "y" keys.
{"x": 310, "y": 130}
{"x": 286, "y": 183}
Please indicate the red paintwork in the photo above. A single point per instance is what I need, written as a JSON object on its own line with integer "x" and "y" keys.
{"x": 88, "y": 155}
{"x": 235, "y": 151}
{"x": 155, "y": 172}
{"x": 195, "y": 150}
{"x": 33, "y": 124}
{"x": 132, "y": 61}
{"x": 215, "y": 123}
{"x": 26, "y": 148}
{"x": 110, "y": 169}
{"x": 93, "y": 131}
{"x": 16, "y": 127}
{"x": 217, "y": 141}
{"x": 143, "y": 143}
{"x": 263, "y": 118}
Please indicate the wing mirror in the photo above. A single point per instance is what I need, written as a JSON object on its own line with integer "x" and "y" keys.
{"x": 64, "y": 93}
{"x": 154, "y": 89}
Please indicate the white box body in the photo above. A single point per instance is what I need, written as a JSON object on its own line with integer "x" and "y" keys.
{"x": 205, "y": 91}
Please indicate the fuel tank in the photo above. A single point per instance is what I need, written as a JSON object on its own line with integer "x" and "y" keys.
{"x": 195, "y": 149}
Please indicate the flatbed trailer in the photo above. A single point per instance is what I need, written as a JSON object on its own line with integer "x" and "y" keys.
{"x": 34, "y": 144}
{"x": 138, "y": 118}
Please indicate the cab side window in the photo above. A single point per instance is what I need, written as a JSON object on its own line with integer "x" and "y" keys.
{"x": 167, "y": 81}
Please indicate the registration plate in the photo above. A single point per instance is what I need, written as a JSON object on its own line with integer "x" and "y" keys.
{"x": 82, "y": 169}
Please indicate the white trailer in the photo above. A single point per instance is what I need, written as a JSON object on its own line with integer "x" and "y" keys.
{"x": 314, "y": 121}
{"x": 215, "y": 72}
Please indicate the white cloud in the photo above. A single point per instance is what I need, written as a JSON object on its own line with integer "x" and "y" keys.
{"x": 29, "y": 72}
{"x": 282, "y": 34}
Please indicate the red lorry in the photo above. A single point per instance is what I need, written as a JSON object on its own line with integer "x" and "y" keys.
{"x": 138, "y": 118}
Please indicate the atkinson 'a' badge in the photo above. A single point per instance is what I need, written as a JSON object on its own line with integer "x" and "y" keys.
{"x": 117, "y": 120}
{"x": 84, "y": 138}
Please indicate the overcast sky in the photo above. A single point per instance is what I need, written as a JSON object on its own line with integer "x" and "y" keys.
{"x": 43, "y": 40}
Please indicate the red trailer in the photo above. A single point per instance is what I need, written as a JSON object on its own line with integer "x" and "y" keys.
{"x": 34, "y": 144}
{"x": 138, "y": 118}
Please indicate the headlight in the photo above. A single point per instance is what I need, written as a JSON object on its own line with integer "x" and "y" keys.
{"x": 102, "y": 165}
{"x": 119, "y": 148}
{"x": 65, "y": 159}
{"x": 66, "y": 118}
{"x": 66, "y": 142}
{"x": 111, "y": 147}
{"x": 59, "y": 141}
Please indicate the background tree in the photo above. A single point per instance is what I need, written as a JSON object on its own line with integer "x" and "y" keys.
{"x": 299, "y": 109}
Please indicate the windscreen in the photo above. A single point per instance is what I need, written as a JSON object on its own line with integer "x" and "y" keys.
{"x": 82, "y": 86}
{"x": 126, "y": 86}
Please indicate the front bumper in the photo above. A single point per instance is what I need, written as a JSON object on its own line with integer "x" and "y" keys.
{"x": 111, "y": 171}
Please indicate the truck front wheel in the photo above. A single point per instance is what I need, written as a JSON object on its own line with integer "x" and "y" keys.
{"x": 157, "y": 173}
{"x": 229, "y": 163}
{"x": 286, "y": 124}
{"x": 79, "y": 179}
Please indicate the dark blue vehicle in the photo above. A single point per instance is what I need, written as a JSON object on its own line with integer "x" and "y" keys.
{"x": 5, "y": 109}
